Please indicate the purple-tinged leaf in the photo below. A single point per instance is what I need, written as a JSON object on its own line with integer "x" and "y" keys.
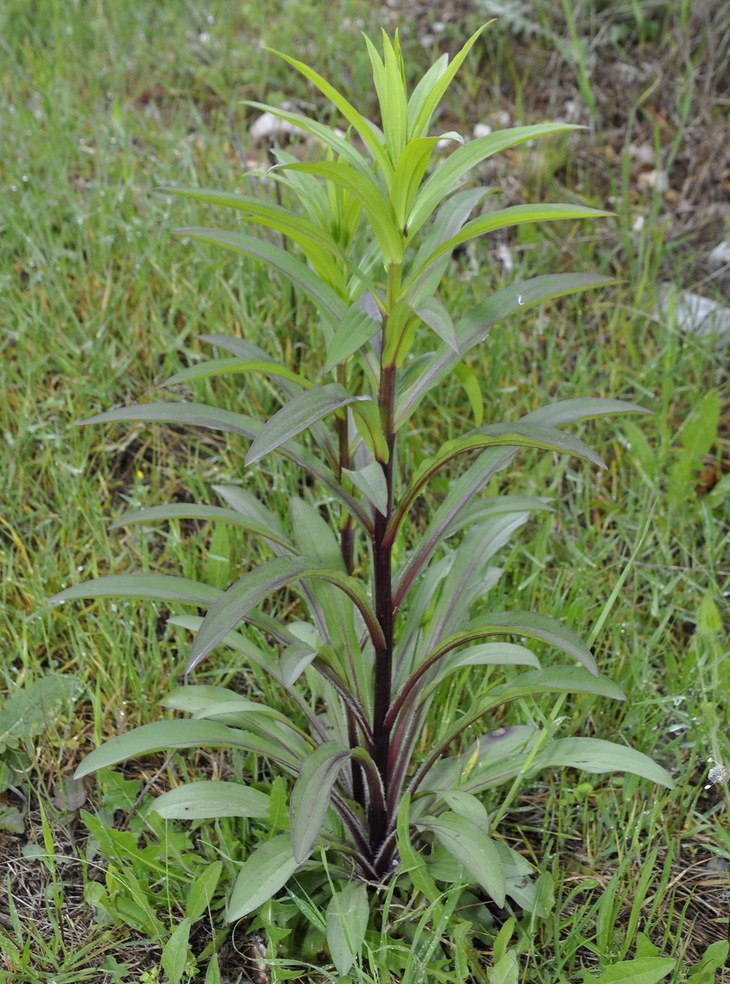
{"x": 534, "y": 625}
{"x": 192, "y": 510}
{"x": 233, "y": 606}
{"x": 161, "y": 587}
{"x": 578, "y": 409}
{"x": 298, "y": 415}
{"x": 311, "y": 796}
{"x": 370, "y": 480}
{"x": 495, "y": 435}
{"x": 162, "y": 736}
{"x": 474, "y": 327}
{"x": 224, "y": 367}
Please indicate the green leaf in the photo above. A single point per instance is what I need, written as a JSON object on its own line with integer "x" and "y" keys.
{"x": 473, "y": 849}
{"x": 270, "y": 214}
{"x": 474, "y": 327}
{"x": 213, "y": 971}
{"x": 328, "y": 303}
{"x": 311, "y": 795}
{"x": 163, "y": 736}
{"x": 447, "y": 177}
{"x": 388, "y": 76}
{"x": 494, "y": 435}
{"x": 200, "y": 894}
{"x": 329, "y": 137}
{"x": 370, "y": 480}
{"x": 427, "y": 94}
{"x": 367, "y": 192}
{"x": 549, "y": 680}
{"x": 314, "y": 536}
{"x": 298, "y": 415}
{"x": 410, "y": 167}
{"x": 491, "y": 654}
{"x": 412, "y": 863}
{"x": 356, "y": 328}
{"x": 595, "y": 755}
{"x": 369, "y": 426}
{"x": 468, "y": 379}
{"x": 699, "y": 431}
{"x": 503, "y": 219}
{"x": 361, "y": 126}
{"x": 264, "y": 872}
{"x": 207, "y": 799}
{"x": 506, "y": 970}
{"x": 224, "y": 367}
{"x": 235, "y": 603}
{"x": 644, "y": 970}
{"x": 192, "y": 510}
{"x": 32, "y": 708}
{"x": 161, "y": 587}
{"x": 712, "y": 960}
{"x": 176, "y": 952}
{"x": 347, "y": 918}
{"x": 433, "y": 313}
{"x": 579, "y": 409}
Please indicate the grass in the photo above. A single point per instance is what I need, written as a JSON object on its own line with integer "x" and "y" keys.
{"x": 103, "y": 102}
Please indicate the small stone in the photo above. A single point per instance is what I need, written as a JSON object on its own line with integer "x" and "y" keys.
{"x": 481, "y": 130}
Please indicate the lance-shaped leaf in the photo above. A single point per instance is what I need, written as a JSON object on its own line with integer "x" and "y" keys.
{"x": 473, "y": 849}
{"x": 347, "y": 921}
{"x": 298, "y": 415}
{"x": 311, "y": 795}
{"x": 330, "y": 137}
{"x": 473, "y": 328}
{"x": 488, "y": 654}
{"x": 275, "y": 216}
{"x": 233, "y": 606}
{"x": 161, "y": 587}
{"x": 161, "y": 736}
{"x": 330, "y": 306}
{"x": 224, "y": 367}
{"x": 463, "y": 159}
{"x": 534, "y": 625}
{"x": 581, "y": 408}
{"x": 209, "y": 799}
{"x": 475, "y": 479}
{"x": 427, "y": 94}
{"x": 370, "y": 480}
{"x": 502, "y": 219}
{"x": 246, "y": 504}
{"x": 410, "y": 168}
{"x": 180, "y": 412}
{"x": 389, "y": 79}
{"x": 202, "y": 415}
{"x": 552, "y": 679}
{"x": 488, "y": 753}
{"x": 433, "y": 313}
{"x": 264, "y": 872}
{"x": 357, "y": 327}
{"x": 494, "y": 435}
{"x": 596, "y": 755}
{"x": 367, "y": 192}
{"x": 450, "y": 218}
{"x": 363, "y": 127}
{"x": 192, "y": 510}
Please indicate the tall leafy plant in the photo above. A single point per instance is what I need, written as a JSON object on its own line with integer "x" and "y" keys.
{"x": 380, "y": 785}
